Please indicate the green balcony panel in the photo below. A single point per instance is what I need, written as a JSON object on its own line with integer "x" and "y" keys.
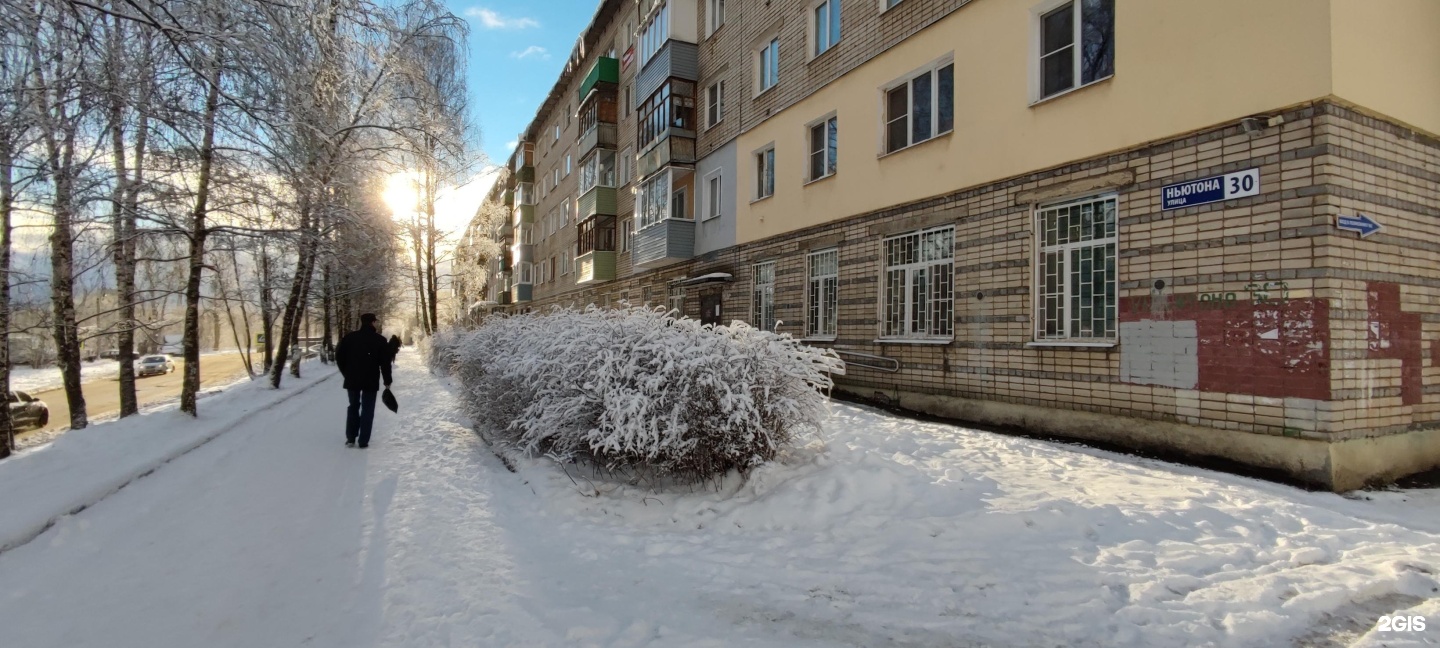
{"x": 523, "y": 293}
{"x": 598, "y": 201}
{"x": 605, "y": 70}
{"x": 524, "y": 214}
{"x": 595, "y": 267}
{"x": 525, "y": 174}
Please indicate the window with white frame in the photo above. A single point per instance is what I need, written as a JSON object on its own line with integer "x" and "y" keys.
{"x": 919, "y": 287}
{"x": 540, "y": 271}
{"x": 660, "y": 198}
{"x": 678, "y": 204}
{"x": 886, "y": 4}
{"x": 655, "y": 32}
{"x": 762, "y": 292}
{"x": 714, "y": 196}
{"x": 1076, "y": 45}
{"x": 627, "y": 231}
{"x": 565, "y": 260}
{"x": 768, "y": 65}
{"x": 920, "y": 106}
{"x": 714, "y": 104}
{"x": 824, "y": 145}
{"x": 627, "y": 162}
{"x": 557, "y": 132}
{"x": 765, "y": 173}
{"x": 825, "y": 27}
{"x": 675, "y": 301}
{"x": 822, "y": 298}
{"x": 525, "y": 272}
{"x": 527, "y": 234}
{"x": 567, "y": 165}
{"x": 597, "y": 170}
{"x": 715, "y": 15}
{"x": 1075, "y": 274}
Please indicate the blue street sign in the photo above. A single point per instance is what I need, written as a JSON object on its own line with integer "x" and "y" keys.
{"x": 1359, "y": 223}
{"x": 1212, "y": 189}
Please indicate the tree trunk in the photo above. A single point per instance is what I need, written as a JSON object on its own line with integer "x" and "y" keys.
{"x": 304, "y": 264}
{"x": 62, "y": 281}
{"x": 326, "y": 303}
{"x": 125, "y": 203}
{"x": 190, "y": 384}
{"x": 7, "y": 200}
{"x": 267, "y": 308}
{"x": 244, "y": 314}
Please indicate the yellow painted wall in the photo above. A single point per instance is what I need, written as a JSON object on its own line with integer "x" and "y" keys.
{"x": 1387, "y": 58}
{"x": 1181, "y": 65}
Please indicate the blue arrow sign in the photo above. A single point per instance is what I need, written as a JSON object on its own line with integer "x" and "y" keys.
{"x": 1359, "y": 223}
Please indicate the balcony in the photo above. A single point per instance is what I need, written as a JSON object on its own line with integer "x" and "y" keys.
{"x": 522, "y": 253}
{"x": 503, "y": 298}
{"x": 676, "y": 59}
{"x": 599, "y": 201}
{"x": 668, "y": 241}
{"x": 523, "y": 214}
{"x": 601, "y": 135}
{"x": 605, "y": 72}
{"x": 677, "y": 148}
{"x": 595, "y": 267}
{"x": 522, "y": 293}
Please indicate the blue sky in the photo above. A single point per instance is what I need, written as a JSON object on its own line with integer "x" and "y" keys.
{"x": 517, "y": 48}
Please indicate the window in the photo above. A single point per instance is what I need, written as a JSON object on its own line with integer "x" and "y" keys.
{"x": 919, "y": 285}
{"x": 822, "y": 298}
{"x": 765, "y": 173}
{"x": 654, "y": 34}
{"x": 628, "y": 101}
{"x": 595, "y": 234}
{"x": 567, "y": 165}
{"x": 555, "y": 178}
{"x": 1091, "y": 23}
{"x": 714, "y": 199}
{"x": 527, "y": 234}
{"x": 524, "y": 272}
{"x": 627, "y": 160}
{"x": 1075, "y": 270}
{"x": 659, "y": 199}
{"x": 714, "y": 104}
{"x": 627, "y": 230}
{"x": 920, "y": 107}
{"x": 715, "y": 12}
{"x": 886, "y": 4}
{"x": 763, "y": 296}
{"x": 565, "y": 264}
{"x": 826, "y": 26}
{"x": 557, "y": 132}
{"x": 597, "y": 170}
{"x": 675, "y": 301}
{"x": 769, "y": 65}
{"x": 824, "y": 142}
{"x": 677, "y": 204}
{"x": 672, "y": 106}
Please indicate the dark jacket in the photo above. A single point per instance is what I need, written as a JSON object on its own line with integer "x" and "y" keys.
{"x": 363, "y": 356}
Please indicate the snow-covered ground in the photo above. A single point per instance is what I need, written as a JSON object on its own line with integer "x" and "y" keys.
{"x": 885, "y": 532}
{"x": 31, "y": 379}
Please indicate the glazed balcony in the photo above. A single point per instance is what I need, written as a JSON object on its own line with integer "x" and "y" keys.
{"x": 675, "y": 59}
{"x": 595, "y": 267}
{"x": 674, "y": 150}
{"x": 599, "y": 201}
{"x": 668, "y": 241}
{"x": 523, "y": 169}
{"x": 605, "y": 73}
{"x": 595, "y": 242}
{"x": 598, "y": 117}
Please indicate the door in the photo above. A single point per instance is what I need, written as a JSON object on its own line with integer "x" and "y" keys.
{"x": 711, "y": 306}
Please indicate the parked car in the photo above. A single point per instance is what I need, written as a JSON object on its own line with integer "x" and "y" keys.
{"x": 26, "y": 411}
{"x": 154, "y": 365}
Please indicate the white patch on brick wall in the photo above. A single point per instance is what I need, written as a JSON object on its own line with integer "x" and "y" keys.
{"x": 1159, "y": 353}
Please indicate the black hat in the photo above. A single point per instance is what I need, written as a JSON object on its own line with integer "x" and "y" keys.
{"x": 367, "y": 318}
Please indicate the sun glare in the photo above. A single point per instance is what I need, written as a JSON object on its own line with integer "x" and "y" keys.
{"x": 402, "y": 193}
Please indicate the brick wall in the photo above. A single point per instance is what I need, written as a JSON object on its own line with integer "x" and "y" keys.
{"x": 1269, "y": 320}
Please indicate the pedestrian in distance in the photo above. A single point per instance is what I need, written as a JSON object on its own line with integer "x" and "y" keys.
{"x": 363, "y": 358}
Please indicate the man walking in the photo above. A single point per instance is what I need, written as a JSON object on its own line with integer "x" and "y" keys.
{"x": 363, "y": 357}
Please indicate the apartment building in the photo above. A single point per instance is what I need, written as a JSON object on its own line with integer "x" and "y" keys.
{"x": 1202, "y": 228}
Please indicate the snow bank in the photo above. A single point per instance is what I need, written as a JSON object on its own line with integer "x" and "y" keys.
{"x": 30, "y": 379}
{"x": 94, "y": 462}
{"x": 636, "y": 389}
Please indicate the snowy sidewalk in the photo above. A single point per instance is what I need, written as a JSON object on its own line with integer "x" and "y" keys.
{"x": 889, "y": 532}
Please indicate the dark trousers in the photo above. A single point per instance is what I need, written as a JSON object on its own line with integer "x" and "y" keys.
{"x": 360, "y": 415}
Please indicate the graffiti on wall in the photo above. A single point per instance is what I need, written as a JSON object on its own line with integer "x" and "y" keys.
{"x": 1394, "y": 334}
{"x": 1260, "y": 342}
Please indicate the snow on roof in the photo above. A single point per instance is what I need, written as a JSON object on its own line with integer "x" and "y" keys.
{"x": 709, "y": 278}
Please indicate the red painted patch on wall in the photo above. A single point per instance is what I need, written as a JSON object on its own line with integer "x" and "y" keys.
{"x": 1278, "y": 348}
{"x": 1394, "y": 334}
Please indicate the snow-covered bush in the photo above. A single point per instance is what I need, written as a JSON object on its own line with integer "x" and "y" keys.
{"x": 439, "y": 349}
{"x": 637, "y": 389}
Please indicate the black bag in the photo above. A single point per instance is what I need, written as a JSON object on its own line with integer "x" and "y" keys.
{"x": 389, "y": 400}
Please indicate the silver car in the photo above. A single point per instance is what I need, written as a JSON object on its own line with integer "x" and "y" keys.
{"x": 27, "y": 411}
{"x": 154, "y": 365}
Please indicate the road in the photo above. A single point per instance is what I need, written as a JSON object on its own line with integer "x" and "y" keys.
{"x": 102, "y": 397}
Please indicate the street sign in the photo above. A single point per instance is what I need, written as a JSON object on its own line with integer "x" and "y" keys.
{"x": 259, "y": 338}
{"x": 1212, "y": 189}
{"x": 1359, "y": 223}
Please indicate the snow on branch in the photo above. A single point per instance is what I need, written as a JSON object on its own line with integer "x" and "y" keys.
{"x": 638, "y": 389}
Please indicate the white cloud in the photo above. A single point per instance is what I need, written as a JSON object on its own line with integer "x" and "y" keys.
{"x": 510, "y": 145}
{"x": 489, "y": 19}
{"x": 533, "y": 51}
